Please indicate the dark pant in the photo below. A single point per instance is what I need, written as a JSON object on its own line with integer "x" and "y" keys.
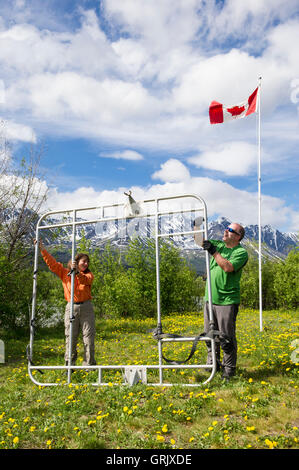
{"x": 224, "y": 317}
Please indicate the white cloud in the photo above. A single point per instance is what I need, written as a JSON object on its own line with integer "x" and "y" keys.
{"x": 151, "y": 85}
{"x": 16, "y": 131}
{"x": 123, "y": 155}
{"x": 231, "y": 158}
{"x": 220, "y": 197}
{"x": 172, "y": 171}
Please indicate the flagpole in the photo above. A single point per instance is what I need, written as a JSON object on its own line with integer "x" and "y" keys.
{"x": 260, "y": 207}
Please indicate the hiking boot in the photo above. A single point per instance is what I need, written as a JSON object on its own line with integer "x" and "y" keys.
{"x": 228, "y": 374}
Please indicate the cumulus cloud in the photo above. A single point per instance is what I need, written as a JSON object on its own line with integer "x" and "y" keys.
{"x": 154, "y": 79}
{"x": 144, "y": 78}
{"x": 123, "y": 155}
{"x": 18, "y": 132}
{"x": 220, "y": 198}
{"x": 231, "y": 158}
{"x": 172, "y": 171}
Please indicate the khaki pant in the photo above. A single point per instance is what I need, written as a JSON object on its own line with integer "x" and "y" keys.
{"x": 225, "y": 321}
{"x": 83, "y": 319}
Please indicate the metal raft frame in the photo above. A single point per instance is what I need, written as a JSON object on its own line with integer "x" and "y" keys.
{"x": 131, "y": 373}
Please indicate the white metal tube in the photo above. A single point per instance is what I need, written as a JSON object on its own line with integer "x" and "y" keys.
{"x": 260, "y": 207}
{"x": 34, "y": 292}
{"x": 158, "y": 288}
{"x": 71, "y": 314}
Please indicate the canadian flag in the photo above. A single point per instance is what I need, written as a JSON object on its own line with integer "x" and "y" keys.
{"x": 220, "y": 113}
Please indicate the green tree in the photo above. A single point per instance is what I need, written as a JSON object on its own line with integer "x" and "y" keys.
{"x": 249, "y": 284}
{"x": 286, "y": 281}
{"x": 22, "y": 193}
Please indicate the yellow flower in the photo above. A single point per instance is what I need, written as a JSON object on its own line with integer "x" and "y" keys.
{"x": 191, "y": 439}
{"x": 270, "y": 444}
{"x": 160, "y": 438}
{"x": 32, "y": 428}
{"x": 16, "y": 440}
{"x": 125, "y": 408}
{"x": 250, "y": 428}
{"x": 250, "y": 380}
{"x": 49, "y": 443}
{"x": 172, "y": 441}
{"x": 165, "y": 428}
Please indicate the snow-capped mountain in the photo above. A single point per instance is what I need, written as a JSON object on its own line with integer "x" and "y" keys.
{"x": 275, "y": 244}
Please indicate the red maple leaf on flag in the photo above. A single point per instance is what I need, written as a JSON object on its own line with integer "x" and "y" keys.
{"x": 236, "y": 110}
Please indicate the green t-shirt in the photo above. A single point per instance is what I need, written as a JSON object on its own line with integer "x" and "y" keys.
{"x": 225, "y": 287}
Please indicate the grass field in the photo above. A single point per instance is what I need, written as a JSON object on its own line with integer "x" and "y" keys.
{"x": 257, "y": 409}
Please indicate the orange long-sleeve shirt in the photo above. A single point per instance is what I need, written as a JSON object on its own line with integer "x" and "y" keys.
{"x": 82, "y": 285}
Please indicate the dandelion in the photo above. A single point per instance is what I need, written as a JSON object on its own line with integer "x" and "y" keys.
{"x": 165, "y": 428}
{"x": 172, "y": 441}
{"x": 16, "y": 440}
{"x": 32, "y": 428}
{"x": 125, "y": 409}
{"x": 250, "y": 380}
{"x": 250, "y": 428}
{"x": 160, "y": 438}
{"x": 191, "y": 439}
{"x": 270, "y": 444}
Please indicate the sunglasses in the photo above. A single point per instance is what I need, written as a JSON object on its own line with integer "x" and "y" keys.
{"x": 231, "y": 230}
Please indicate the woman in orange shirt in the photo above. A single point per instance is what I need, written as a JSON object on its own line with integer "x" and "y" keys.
{"x": 83, "y": 313}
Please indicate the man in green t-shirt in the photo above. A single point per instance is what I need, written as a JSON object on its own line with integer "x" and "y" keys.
{"x": 228, "y": 258}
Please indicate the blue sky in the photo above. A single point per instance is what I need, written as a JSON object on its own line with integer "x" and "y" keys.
{"x": 118, "y": 91}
